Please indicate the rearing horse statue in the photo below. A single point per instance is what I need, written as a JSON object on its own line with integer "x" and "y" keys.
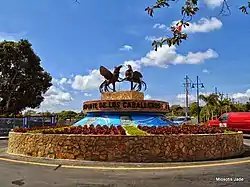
{"x": 134, "y": 77}
{"x": 110, "y": 78}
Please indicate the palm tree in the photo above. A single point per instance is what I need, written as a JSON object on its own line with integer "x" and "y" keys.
{"x": 224, "y": 106}
{"x": 212, "y": 104}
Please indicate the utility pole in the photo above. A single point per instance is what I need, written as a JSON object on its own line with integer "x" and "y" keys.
{"x": 216, "y": 90}
{"x": 198, "y": 84}
{"x": 187, "y": 84}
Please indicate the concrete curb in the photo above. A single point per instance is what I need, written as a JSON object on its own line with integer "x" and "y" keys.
{"x": 127, "y": 167}
{"x": 4, "y": 137}
{"x": 4, "y": 156}
{"x": 246, "y": 136}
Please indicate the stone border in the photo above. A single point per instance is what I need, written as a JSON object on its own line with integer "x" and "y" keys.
{"x": 127, "y": 148}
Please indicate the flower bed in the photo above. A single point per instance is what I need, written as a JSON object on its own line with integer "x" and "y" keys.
{"x": 121, "y": 130}
{"x": 112, "y": 130}
{"x": 184, "y": 129}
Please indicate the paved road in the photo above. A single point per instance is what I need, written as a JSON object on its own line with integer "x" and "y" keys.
{"x": 42, "y": 176}
{"x": 16, "y": 174}
{"x": 3, "y": 143}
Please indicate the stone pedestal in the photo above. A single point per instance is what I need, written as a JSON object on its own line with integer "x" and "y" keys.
{"x": 122, "y": 95}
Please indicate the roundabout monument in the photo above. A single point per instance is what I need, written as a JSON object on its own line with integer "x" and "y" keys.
{"x": 123, "y": 127}
{"x": 124, "y": 107}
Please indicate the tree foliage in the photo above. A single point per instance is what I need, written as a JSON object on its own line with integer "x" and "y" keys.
{"x": 193, "y": 109}
{"x": 215, "y": 105}
{"x": 67, "y": 115}
{"x": 22, "y": 79}
{"x": 30, "y": 113}
{"x": 188, "y": 10}
{"x": 177, "y": 110}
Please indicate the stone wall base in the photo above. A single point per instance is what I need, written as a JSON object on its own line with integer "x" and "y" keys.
{"x": 127, "y": 148}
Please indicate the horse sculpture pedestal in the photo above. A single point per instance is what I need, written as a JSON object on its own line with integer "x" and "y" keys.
{"x": 123, "y": 108}
{"x": 122, "y": 95}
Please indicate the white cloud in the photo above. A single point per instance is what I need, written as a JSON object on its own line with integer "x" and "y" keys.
{"x": 55, "y": 97}
{"x": 87, "y": 94}
{"x": 166, "y": 55}
{"x": 87, "y": 82}
{"x": 161, "y": 58}
{"x": 203, "y": 25}
{"x": 213, "y": 3}
{"x": 181, "y": 98}
{"x": 152, "y": 38}
{"x": 126, "y": 48}
{"x": 135, "y": 65}
{"x": 11, "y": 36}
{"x": 196, "y": 58}
{"x": 61, "y": 81}
{"x": 206, "y": 71}
{"x": 241, "y": 96}
{"x": 94, "y": 79}
{"x": 160, "y": 26}
{"x": 147, "y": 97}
{"x": 8, "y": 37}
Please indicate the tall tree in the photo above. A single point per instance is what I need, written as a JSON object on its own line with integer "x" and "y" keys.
{"x": 67, "y": 115}
{"x": 22, "y": 79}
{"x": 247, "y": 106}
{"x": 30, "y": 113}
{"x": 177, "y": 110}
{"x": 193, "y": 109}
{"x": 211, "y": 104}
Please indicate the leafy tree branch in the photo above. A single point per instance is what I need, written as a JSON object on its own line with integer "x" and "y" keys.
{"x": 188, "y": 10}
{"x": 245, "y": 8}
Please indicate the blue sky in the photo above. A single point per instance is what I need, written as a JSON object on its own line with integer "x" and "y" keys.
{"x": 73, "y": 40}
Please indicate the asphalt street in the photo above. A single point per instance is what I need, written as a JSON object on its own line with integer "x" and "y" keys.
{"x": 3, "y": 143}
{"x": 18, "y": 174}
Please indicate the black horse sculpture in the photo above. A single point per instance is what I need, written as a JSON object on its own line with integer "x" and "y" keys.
{"x": 110, "y": 78}
{"x": 134, "y": 77}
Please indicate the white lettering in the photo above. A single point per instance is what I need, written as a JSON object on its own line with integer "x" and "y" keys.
{"x": 228, "y": 179}
{"x": 222, "y": 179}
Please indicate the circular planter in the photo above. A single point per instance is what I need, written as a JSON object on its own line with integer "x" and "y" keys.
{"x": 154, "y": 148}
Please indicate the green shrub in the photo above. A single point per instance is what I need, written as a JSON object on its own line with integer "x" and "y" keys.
{"x": 229, "y": 132}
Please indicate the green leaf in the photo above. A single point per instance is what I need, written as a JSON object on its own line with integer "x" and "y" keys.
{"x": 195, "y": 2}
{"x": 169, "y": 42}
{"x": 196, "y": 9}
{"x": 244, "y": 9}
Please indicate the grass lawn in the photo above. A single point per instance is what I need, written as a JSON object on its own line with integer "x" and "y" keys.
{"x": 133, "y": 130}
